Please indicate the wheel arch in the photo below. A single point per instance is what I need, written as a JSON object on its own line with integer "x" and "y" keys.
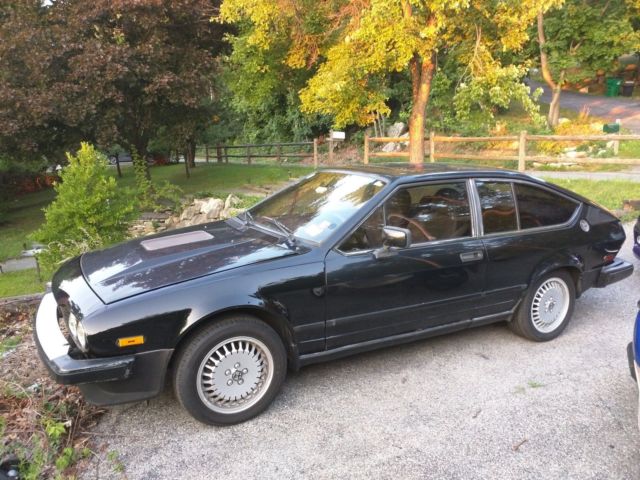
{"x": 572, "y": 263}
{"x": 275, "y": 321}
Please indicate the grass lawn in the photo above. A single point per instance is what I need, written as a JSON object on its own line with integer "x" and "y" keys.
{"x": 25, "y": 215}
{"x": 20, "y": 283}
{"x": 25, "y": 212}
{"x": 218, "y": 179}
{"x": 608, "y": 193}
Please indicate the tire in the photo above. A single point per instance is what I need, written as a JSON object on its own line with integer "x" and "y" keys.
{"x": 535, "y": 317}
{"x": 230, "y": 371}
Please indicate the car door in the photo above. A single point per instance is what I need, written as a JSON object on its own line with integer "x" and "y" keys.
{"x": 523, "y": 225}
{"x": 437, "y": 280}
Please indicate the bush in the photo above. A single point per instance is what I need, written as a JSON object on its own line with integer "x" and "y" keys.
{"x": 152, "y": 197}
{"x": 90, "y": 210}
{"x": 582, "y": 125}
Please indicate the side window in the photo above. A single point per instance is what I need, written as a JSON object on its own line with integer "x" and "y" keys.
{"x": 541, "y": 208}
{"x": 498, "y": 207}
{"x": 431, "y": 212}
{"x": 368, "y": 235}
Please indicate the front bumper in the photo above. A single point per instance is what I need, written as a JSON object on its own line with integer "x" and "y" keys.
{"x": 614, "y": 272}
{"x": 103, "y": 381}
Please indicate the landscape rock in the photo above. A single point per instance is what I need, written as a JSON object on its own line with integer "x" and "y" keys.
{"x": 212, "y": 208}
{"x": 396, "y": 129}
{"x": 231, "y": 201}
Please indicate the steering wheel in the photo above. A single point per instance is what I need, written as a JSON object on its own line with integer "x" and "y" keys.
{"x": 422, "y": 230}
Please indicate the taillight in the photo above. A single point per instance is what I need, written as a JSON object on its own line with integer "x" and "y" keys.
{"x": 609, "y": 256}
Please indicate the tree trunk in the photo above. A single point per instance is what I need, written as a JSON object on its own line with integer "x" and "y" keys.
{"x": 554, "y": 107}
{"x": 186, "y": 163}
{"x": 556, "y": 87}
{"x": 191, "y": 146}
{"x": 421, "y": 76}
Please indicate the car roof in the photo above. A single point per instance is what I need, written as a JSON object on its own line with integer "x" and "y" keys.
{"x": 419, "y": 171}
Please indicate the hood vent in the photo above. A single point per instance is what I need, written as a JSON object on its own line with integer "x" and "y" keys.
{"x": 169, "y": 241}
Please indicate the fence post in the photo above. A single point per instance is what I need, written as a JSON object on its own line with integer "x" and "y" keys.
{"x": 522, "y": 151}
{"x": 219, "y": 153}
{"x": 206, "y": 152}
{"x": 315, "y": 153}
{"x": 432, "y": 146}
{"x": 249, "y": 155}
{"x": 226, "y": 154}
{"x": 330, "y": 151}
{"x": 616, "y": 143}
{"x": 366, "y": 148}
{"x": 278, "y": 153}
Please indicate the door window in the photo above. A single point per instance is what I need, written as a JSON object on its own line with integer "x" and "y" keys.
{"x": 541, "y": 208}
{"x": 431, "y": 212}
{"x": 497, "y": 206}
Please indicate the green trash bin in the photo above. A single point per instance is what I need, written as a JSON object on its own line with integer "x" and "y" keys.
{"x": 613, "y": 87}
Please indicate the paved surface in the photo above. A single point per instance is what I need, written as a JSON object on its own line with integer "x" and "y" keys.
{"x": 481, "y": 404}
{"x": 625, "y": 108}
{"x": 15, "y": 264}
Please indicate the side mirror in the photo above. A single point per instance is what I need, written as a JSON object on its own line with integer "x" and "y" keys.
{"x": 396, "y": 237}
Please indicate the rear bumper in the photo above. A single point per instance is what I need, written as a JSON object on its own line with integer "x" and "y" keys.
{"x": 616, "y": 271}
{"x": 103, "y": 381}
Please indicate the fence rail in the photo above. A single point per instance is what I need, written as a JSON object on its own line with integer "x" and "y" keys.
{"x": 252, "y": 151}
{"x": 521, "y": 147}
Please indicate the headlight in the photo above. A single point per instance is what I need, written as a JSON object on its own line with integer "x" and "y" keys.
{"x": 77, "y": 331}
{"x": 638, "y": 239}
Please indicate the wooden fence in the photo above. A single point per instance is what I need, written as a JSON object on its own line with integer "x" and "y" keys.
{"x": 250, "y": 151}
{"x": 522, "y": 158}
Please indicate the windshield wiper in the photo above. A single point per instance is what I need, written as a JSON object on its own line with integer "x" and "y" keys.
{"x": 291, "y": 239}
{"x": 248, "y": 218}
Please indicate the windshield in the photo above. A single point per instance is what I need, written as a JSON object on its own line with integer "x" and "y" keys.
{"x": 319, "y": 204}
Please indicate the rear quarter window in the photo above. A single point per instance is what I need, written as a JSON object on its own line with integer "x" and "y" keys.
{"x": 541, "y": 208}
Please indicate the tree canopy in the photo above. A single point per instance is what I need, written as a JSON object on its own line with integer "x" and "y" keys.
{"x": 580, "y": 37}
{"x": 104, "y": 71}
{"x": 351, "y": 47}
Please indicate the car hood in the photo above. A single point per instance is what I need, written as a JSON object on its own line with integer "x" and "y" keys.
{"x": 157, "y": 261}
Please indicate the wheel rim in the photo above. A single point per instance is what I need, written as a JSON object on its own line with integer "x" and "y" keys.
{"x": 235, "y": 374}
{"x": 550, "y": 305}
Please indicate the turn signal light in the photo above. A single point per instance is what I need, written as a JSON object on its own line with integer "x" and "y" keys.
{"x": 130, "y": 341}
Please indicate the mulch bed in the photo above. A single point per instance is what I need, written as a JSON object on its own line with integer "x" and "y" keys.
{"x": 40, "y": 421}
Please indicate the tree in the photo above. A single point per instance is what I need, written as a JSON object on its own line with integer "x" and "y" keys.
{"x": 89, "y": 212}
{"x": 105, "y": 71}
{"x": 579, "y": 38}
{"x": 354, "y": 45}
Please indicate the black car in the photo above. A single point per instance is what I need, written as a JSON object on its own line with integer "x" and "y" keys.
{"x": 344, "y": 261}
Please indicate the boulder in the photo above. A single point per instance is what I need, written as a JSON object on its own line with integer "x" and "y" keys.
{"x": 391, "y": 147}
{"x": 212, "y": 208}
{"x": 396, "y": 129}
{"x": 231, "y": 201}
{"x": 189, "y": 212}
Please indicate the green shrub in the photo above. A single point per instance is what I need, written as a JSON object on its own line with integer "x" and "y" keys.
{"x": 90, "y": 210}
{"x": 150, "y": 197}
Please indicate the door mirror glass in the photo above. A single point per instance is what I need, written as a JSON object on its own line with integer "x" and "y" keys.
{"x": 396, "y": 237}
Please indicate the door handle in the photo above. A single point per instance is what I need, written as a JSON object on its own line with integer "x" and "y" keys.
{"x": 472, "y": 256}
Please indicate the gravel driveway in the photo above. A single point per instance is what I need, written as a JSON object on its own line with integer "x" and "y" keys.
{"x": 482, "y": 403}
